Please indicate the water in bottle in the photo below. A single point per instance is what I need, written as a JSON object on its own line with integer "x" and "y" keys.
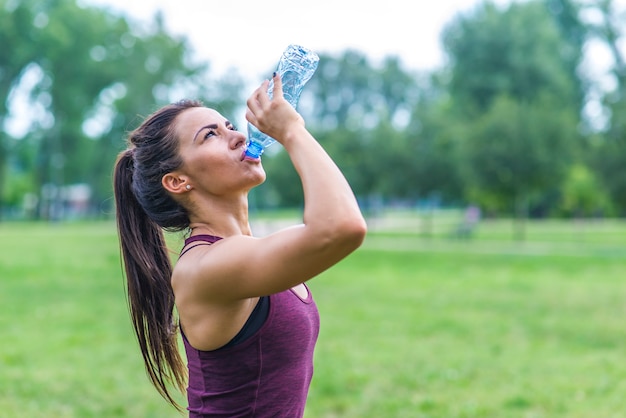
{"x": 296, "y": 67}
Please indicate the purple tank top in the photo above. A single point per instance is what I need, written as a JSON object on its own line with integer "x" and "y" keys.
{"x": 267, "y": 375}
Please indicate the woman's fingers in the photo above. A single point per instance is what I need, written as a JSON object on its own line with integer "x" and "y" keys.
{"x": 256, "y": 98}
{"x": 265, "y": 113}
{"x": 255, "y": 103}
{"x": 278, "y": 86}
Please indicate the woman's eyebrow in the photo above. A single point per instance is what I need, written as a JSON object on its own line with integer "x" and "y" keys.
{"x": 211, "y": 126}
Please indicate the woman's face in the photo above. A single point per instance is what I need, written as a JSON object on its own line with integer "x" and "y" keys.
{"x": 212, "y": 151}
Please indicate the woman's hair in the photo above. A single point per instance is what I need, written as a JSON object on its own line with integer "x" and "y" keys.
{"x": 144, "y": 209}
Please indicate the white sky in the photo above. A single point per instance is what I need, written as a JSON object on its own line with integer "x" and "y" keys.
{"x": 250, "y": 35}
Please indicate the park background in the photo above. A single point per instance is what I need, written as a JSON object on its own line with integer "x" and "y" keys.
{"x": 491, "y": 283}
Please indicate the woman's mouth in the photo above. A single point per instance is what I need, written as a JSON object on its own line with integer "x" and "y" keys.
{"x": 246, "y": 157}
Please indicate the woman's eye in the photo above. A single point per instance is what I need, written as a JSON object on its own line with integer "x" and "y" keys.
{"x": 232, "y": 127}
{"x": 208, "y": 134}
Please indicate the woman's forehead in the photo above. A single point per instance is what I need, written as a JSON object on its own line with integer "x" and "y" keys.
{"x": 200, "y": 115}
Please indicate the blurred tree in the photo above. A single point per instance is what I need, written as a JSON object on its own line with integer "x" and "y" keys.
{"x": 497, "y": 125}
{"x": 16, "y": 52}
{"x": 574, "y": 35}
{"x": 92, "y": 59}
{"x": 583, "y": 194}
{"x": 96, "y": 75}
{"x": 349, "y": 92}
{"x": 512, "y": 85}
{"x": 433, "y": 138}
{"x": 608, "y": 159}
{"x": 341, "y": 91}
{"x": 358, "y": 112}
{"x": 517, "y": 51}
{"x": 514, "y": 152}
{"x": 610, "y": 156}
{"x": 347, "y": 148}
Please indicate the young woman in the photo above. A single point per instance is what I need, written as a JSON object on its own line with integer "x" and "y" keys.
{"x": 248, "y": 321}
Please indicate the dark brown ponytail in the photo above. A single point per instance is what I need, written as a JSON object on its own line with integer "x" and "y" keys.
{"x": 143, "y": 210}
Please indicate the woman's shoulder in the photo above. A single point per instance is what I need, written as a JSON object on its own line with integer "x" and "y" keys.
{"x": 206, "y": 266}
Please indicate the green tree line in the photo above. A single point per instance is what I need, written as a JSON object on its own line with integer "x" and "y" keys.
{"x": 512, "y": 122}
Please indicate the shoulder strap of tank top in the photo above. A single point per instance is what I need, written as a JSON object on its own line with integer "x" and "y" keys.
{"x": 204, "y": 239}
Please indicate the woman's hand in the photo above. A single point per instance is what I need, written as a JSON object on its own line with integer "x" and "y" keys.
{"x": 274, "y": 117}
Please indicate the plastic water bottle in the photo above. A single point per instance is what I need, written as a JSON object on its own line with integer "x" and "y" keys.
{"x": 296, "y": 66}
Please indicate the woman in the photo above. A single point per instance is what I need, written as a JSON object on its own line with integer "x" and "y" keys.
{"x": 247, "y": 320}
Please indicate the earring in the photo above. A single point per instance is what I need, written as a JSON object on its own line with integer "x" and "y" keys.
{"x": 188, "y": 187}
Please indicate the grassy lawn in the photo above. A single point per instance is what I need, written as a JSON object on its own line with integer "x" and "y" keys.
{"x": 411, "y": 326}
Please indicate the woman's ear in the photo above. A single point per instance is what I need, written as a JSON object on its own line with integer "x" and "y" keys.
{"x": 175, "y": 183}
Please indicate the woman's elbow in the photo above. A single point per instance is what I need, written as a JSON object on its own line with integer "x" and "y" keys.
{"x": 341, "y": 234}
{"x": 353, "y": 231}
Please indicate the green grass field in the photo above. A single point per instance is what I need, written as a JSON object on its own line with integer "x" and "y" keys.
{"x": 411, "y": 326}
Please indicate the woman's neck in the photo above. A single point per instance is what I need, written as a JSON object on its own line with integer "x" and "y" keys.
{"x": 222, "y": 218}
{"x": 221, "y": 225}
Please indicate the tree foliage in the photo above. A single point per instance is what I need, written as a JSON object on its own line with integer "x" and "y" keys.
{"x": 502, "y": 124}
{"x": 609, "y": 157}
{"x": 513, "y": 82}
{"x": 96, "y": 75}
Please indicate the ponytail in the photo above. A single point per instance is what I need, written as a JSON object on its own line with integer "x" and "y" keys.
{"x": 148, "y": 273}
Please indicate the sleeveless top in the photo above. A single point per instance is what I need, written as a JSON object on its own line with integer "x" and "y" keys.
{"x": 268, "y": 374}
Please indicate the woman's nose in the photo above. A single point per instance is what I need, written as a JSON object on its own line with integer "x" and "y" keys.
{"x": 237, "y": 139}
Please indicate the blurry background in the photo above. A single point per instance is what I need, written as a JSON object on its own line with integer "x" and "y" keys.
{"x": 486, "y": 143}
{"x": 515, "y": 107}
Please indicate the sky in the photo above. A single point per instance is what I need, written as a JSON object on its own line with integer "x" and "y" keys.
{"x": 250, "y": 35}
